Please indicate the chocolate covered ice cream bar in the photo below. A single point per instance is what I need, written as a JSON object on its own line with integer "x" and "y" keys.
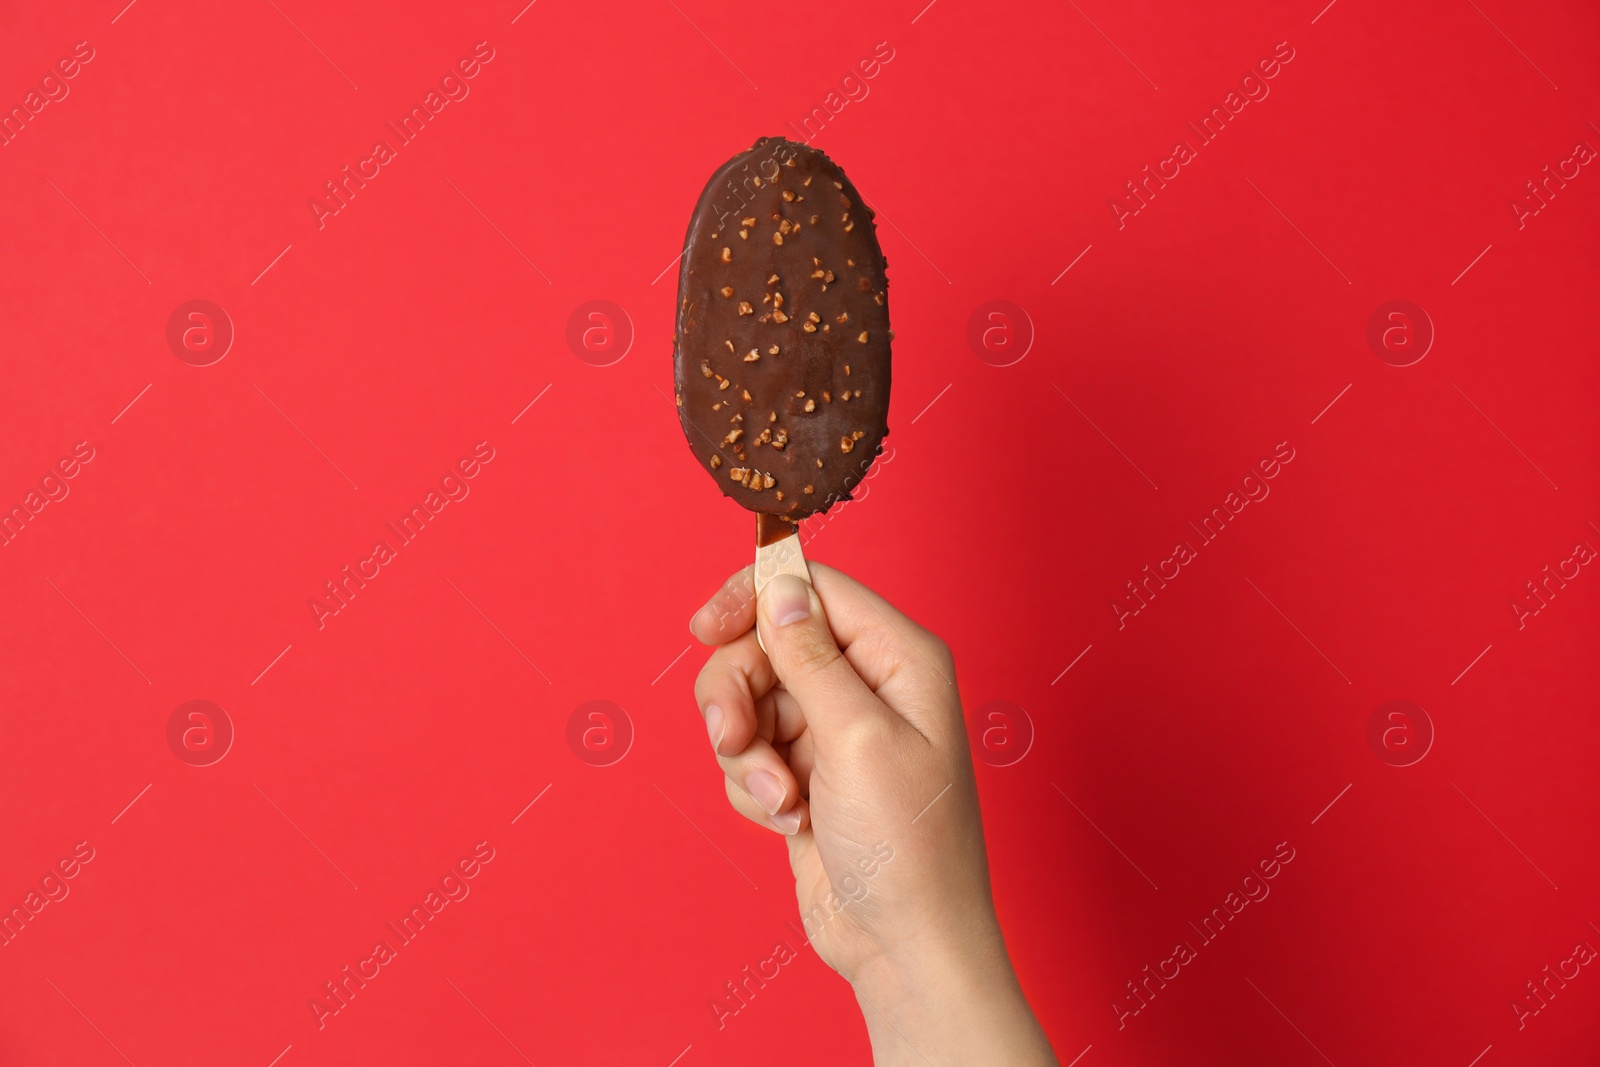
{"x": 782, "y": 366}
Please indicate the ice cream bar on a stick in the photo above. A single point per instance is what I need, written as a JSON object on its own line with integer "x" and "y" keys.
{"x": 782, "y": 350}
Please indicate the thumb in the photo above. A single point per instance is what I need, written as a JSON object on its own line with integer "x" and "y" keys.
{"x": 805, "y": 656}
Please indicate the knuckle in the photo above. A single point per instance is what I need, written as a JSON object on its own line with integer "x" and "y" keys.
{"x": 743, "y": 802}
{"x": 809, "y": 654}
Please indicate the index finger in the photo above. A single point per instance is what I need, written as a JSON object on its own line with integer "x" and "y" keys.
{"x": 730, "y": 612}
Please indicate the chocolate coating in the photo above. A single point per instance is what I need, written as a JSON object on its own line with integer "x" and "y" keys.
{"x": 781, "y": 362}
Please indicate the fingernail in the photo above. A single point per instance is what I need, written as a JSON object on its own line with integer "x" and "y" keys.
{"x": 768, "y": 791}
{"x": 786, "y": 599}
{"x": 714, "y": 725}
{"x": 788, "y": 823}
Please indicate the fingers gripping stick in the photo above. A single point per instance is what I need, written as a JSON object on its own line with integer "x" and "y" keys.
{"x": 777, "y": 552}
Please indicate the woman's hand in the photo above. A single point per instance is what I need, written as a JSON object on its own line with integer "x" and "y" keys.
{"x": 847, "y": 737}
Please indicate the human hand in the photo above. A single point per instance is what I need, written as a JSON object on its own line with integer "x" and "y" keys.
{"x": 849, "y": 740}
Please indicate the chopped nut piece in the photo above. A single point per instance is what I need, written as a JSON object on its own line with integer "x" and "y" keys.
{"x": 745, "y": 308}
{"x": 738, "y": 474}
{"x": 856, "y": 435}
{"x": 815, "y": 219}
{"x": 744, "y": 235}
{"x": 808, "y": 328}
{"x": 772, "y": 416}
{"x": 849, "y": 226}
{"x": 863, "y": 337}
{"x": 772, "y": 351}
{"x": 757, "y": 180}
{"x": 746, "y": 394}
{"x": 877, "y": 298}
{"x": 785, "y": 226}
{"x": 845, "y": 444}
{"x": 845, "y": 217}
{"x": 843, "y": 319}
{"x": 729, "y": 344}
{"x": 716, "y": 461}
{"x": 858, "y": 392}
{"x": 813, "y": 316}
{"x": 789, "y": 196}
{"x": 777, "y": 238}
{"x": 705, "y": 368}
{"x": 780, "y": 439}
{"x": 777, "y": 300}
{"x": 779, "y": 316}
{"x": 816, "y": 274}
{"x": 723, "y": 384}
{"x": 768, "y": 481}
{"x": 849, "y": 262}
{"x": 751, "y": 356}
{"x": 733, "y": 435}
{"x": 726, "y": 291}
{"x": 811, "y": 405}
{"x": 827, "y": 396}
{"x": 747, "y": 222}
{"x": 838, "y": 185}
{"x": 717, "y": 406}
{"x": 727, "y": 255}
{"x": 808, "y": 490}
{"x": 807, "y": 182}
{"x": 845, "y": 396}
{"x": 800, "y": 394}
{"x": 819, "y": 463}
{"x": 827, "y": 279}
{"x": 772, "y": 280}
{"x": 766, "y": 435}
{"x": 847, "y": 370}
{"x": 779, "y": 494}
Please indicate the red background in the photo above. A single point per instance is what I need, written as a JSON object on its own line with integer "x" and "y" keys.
{"x": 1176, "y": 353}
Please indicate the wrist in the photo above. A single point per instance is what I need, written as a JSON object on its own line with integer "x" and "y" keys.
{"x": 950, "y": 1002}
